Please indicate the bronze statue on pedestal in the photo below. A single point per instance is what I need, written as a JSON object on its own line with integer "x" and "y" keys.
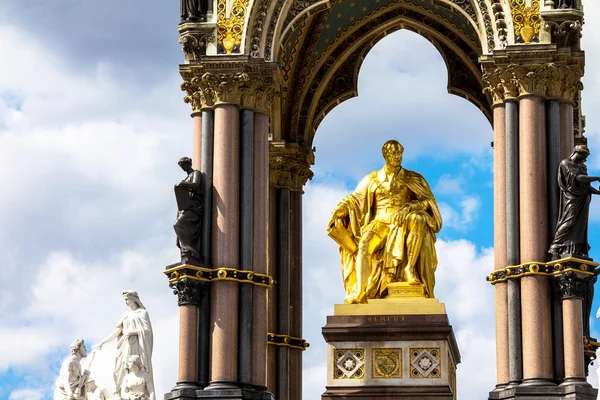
{"x": 571, "y": 236}
{"x": 193, "y": 10}
{"x": 386, "y": 231}
{"x": 189, "y": 223}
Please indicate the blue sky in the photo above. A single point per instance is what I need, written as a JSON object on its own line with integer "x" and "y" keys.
{"x": 92, "y": 123}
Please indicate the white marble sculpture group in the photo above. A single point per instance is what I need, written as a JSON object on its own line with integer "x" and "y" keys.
{"x": 133, "y": 365}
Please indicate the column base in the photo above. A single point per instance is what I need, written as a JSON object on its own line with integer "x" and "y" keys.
{"x": 570, "y": 381}
{"x": 537, "y": 382}
{"x": 571, "y": 392}
{"x": 186, "y": 385}
{"x": 231, "y": 393}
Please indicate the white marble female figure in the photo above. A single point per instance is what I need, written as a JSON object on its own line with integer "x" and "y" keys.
{"x": 136, "y": 384}
{"x": 134, "y": 337}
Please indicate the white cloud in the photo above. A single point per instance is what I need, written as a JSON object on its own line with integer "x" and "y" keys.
{"x": 449, "y": 185}
{"x": 463, "y": 218}
{"x": 26, "y": 394}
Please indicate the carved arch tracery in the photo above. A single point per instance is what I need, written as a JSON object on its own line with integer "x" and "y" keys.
{"x": 318, "y": 80}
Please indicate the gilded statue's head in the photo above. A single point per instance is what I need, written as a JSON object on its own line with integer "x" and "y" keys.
{"x": 392, "y": 153}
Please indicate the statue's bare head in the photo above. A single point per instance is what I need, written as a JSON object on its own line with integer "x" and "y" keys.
{"x": 132, "y": 299}
{"x": 78, "y": 347}
{"x": 392, "y": 153}
{"x": 134, "y": 360}
{"x": 185, "y": 163}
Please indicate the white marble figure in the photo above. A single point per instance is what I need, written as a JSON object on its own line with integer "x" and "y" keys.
{"x": 134, "y": 337}
{"x": 94, "y": 393}
{"x": 137, "y": 384}
{"x": 71, "y": 380}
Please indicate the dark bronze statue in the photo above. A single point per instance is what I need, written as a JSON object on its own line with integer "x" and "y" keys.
{"x": 189, "y": 217}
{"x": 193, "y": 10}
{"x": 571, "y": 237}
{"x": 565, "y": 4}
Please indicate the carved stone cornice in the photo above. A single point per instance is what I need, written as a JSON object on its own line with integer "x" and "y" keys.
{"x": 548, "y": 80}
{"x": 188, "y": 291}
{"x": 195, "y": 38}
{"x": 249, "y": 83}
{"x": 289, "y": 165}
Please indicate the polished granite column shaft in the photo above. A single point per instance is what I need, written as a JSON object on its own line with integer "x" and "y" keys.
{"x": 206, "y": 168}
{"x": 225, "y": 246}
{"x": 272, "y": 294}
{"x": 188, "y": 345}
{"x": 567, "y": 130}
{"x": 247, "y": 205}
{"x": 535, "y": 289}
{"x": 295, "y": 286}
{"x": 283, "y": 289}
{"x": 513, "y": 236}
{"x": 261, "y": 228}
{"x": 553, "y": 125}
{"x": 573, "y": 341}
{"x": 500, "y": 289}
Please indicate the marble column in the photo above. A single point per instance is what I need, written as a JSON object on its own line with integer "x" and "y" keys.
{"x": 283, "y": 290}
{"x": 513, "y": 236}
{"x": 206, "y": 167}
{"x": 567, "y": 133}
{"x": 225, "y": 247}
{"x": 246, "y": 233}
{"x": 573, "y": 341}
{"x": 535, "y": 289}
{"x": 289, "y": 171}
{"x": 500, "y": 289}
{"x": 196, "y": 139}
{"x": 261, "y": 229}
{"x": 188, "y": 343}
{"x": 272, "y": 297}
{"x": 553, "y": 125}
{"x": 295, "y": 277}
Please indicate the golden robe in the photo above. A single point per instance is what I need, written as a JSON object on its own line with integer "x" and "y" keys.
{"x": 362, "y": 211}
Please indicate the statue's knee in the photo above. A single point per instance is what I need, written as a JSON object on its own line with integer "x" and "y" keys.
{"x": 417, "y": 220}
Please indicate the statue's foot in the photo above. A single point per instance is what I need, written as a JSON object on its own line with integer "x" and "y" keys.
{"x": 411, "y": 279}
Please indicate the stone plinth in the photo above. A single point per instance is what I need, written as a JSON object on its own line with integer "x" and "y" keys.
{"x": 572, "y": 392}
{"x": 396, "y": 348}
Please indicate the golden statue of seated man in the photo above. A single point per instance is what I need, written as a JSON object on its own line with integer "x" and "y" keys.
{"x": 386, "y": 230}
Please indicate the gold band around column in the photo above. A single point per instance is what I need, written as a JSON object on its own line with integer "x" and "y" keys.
{"x": 205, "y": 274}
{"x": 557, "y": 267}
{"x": 287, "y": 341}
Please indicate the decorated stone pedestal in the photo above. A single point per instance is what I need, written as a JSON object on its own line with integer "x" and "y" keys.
{"x": 393, "y": 348}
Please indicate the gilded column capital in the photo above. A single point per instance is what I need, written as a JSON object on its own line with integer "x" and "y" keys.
{"x": 549, "y": 80}
{"x": 289, "y": 165}
{"x": 249, "y": 83}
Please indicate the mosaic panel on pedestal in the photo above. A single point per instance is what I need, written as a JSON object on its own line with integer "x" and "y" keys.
{"x": 425, "y": 363}
{"x": 387, "y": 363}
{"x": 349, "y": 363}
